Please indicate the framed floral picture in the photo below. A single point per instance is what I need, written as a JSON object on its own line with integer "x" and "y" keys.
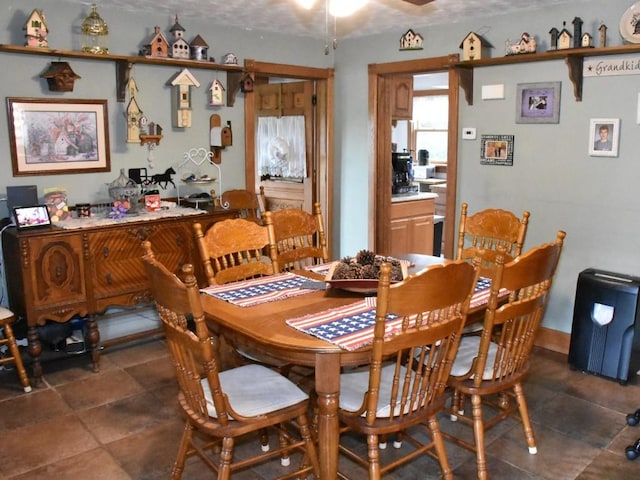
{"x": 538, "y": 102}
{"x": 55, "y": 136}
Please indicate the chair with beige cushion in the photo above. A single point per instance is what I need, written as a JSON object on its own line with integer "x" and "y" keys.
{"x": 488, "y": 229}
{"x": 13, "y": 353}
{"x": 403, "y": 388}
{"x": 489, "y": 368}
{"x": 222, "y": 406}
{"x": 299, "y": 237}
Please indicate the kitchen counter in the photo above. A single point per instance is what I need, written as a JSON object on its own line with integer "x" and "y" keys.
{"x": 413, "y": 197}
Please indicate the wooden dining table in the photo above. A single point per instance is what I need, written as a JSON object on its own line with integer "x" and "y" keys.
{"x": 263, "y": 328}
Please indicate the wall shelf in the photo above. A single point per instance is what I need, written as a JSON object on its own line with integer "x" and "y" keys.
{"x": 573, "y": 57}
{"x": 124, "y": 64}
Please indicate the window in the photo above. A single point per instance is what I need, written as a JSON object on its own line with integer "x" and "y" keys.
{"x": 431, "y": 120}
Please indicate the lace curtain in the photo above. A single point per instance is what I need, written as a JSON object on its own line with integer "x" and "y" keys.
{"x": 280, "y": 147}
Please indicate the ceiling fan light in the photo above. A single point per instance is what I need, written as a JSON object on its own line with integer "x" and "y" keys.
{"x": 344, "y": 8}
{"x": 306, "y": 4}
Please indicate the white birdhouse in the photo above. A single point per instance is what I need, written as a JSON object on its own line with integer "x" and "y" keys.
{"x": 216, "y": 92}
{"x": 181, "y": 98}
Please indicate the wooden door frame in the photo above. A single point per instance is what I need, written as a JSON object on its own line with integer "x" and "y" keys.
{"x": 322, "y": 167}
{"x": 380, "y": 121}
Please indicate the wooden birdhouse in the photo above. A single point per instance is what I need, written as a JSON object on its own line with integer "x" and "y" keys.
{"x": 180, "y": 49}
{"x": 587, "y": 40}
{"x": 246, "y": 83}
{"x": 577, "y": 31}
{"x": 475, "y": 47}
{"x": 158, "y": 45}
{"x": 199, "y": 48}
{"x": 60, "y": 77}
{"x": 36, "y": 30}
{"x": 602, "y": 32}
{"x": 553, "y": 43}
{"x": 133, "y": 114}
{"x": 216, "y": 93}
{"x": 181, "y": 99}
{"x": 564, "y": 39}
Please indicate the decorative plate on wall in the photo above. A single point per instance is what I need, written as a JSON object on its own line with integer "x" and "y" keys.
{"x": 630, "y": 24}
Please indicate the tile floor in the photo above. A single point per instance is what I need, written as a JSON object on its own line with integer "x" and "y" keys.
{"x": 123, "y": 423}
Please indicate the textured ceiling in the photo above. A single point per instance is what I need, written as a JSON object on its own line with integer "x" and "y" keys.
{"x": 285, "y": 16}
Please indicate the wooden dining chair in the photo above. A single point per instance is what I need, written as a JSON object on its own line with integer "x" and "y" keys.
{"x": 244, "y": 201}
{"x": 234, "y": 249}
{"x": 225, "y": 405}
{"x": 488, "y": 229}
{"x": 13, "y": 353}
{"x": 299, "y": 238}
{"x": 403, "y": 388}
{"x": 489, "y": 368}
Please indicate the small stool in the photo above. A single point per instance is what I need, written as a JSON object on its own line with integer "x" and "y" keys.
{"x": 6, "y": 319}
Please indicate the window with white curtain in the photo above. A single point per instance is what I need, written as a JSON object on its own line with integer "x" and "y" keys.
{"x": 431, "y": 123}
{"x": 280, "y": 147}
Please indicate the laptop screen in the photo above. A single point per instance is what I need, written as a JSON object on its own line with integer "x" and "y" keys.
{"x": 32, "y": 217}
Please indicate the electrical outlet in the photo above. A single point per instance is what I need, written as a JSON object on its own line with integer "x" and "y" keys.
{"x": 468, "y": 133}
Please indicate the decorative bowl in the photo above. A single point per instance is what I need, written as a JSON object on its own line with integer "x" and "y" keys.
{"x": 360, "y": 285}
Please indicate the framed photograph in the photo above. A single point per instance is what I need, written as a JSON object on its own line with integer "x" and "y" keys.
{"x": 496, "y": 150}
{"x": 53, "y": 136}
{"x": 603, "y": 137}
{"x": 538, "y": 102}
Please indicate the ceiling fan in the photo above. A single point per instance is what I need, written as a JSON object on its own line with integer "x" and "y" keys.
{"x": 418, "y": 2}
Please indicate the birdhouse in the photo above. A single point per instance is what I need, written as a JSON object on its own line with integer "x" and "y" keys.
{"x": 181, "y": 99}
{"x": 411, "y": 41}
{"x": 60, "y": 77}
{"x": 577, "y": 31}
{"x": 246, "y": 83}
{"x": 587, "y": 40}
{"x": 133, "y": 114}
{"x": 553, "y": 43}
{"x": 180, "y": 49}
{"x": 229, "y": 59}
{"x": 36, "y": 30}
{"x": 474, "y": 47}
{"x": 199, "y": 48}
{"x": 602, "y": 31}
{"x": 226, "y": 136}
{"x": 216, "y": 93}
{"x": 158, "y": 45}
{"x": 564, "y": 39}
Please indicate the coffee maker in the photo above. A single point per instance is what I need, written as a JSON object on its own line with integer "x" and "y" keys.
{"x": 402, "y": 174}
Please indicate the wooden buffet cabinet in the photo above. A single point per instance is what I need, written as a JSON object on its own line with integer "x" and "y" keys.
{"x": 60, "y": 273}
{"x": 412, "y": 226}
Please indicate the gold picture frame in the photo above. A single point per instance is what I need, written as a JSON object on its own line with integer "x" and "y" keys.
{"x": 53, "y": 136}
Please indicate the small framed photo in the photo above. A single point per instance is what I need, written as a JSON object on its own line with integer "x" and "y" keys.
{"x": 54, "y": 136}
{"x": 604, "y": 134}
{"x": 538, "y": 102}
{"x": 496, "y": 150}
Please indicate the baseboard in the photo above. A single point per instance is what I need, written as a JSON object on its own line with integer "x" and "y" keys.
{"x": 553, "y": 340}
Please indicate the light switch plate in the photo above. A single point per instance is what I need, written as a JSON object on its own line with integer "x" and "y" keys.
{"x": 468, "y": 133}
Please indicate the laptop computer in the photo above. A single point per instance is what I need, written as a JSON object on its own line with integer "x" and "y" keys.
{"x": 28, "y": 218}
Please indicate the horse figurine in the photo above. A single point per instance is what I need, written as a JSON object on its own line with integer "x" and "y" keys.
{"x": 160, "y": 178}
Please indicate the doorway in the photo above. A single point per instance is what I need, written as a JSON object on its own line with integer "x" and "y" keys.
{"x": 315, "y": 84}
{"x": 381, "y": 78}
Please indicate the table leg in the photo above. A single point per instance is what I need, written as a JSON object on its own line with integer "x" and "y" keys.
{"x": 93, "y": 336}
{"x": 35, "y": 350}
{"x": 327, "y": 383}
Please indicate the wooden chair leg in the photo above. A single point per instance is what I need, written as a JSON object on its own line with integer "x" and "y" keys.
{"x": 374, "y": 457}
{"x": 226, "y": 456}
{"x": 17, "y": 359}
{"x": 478, "y": 434}
{"x": 178, "y": 466}
{"x": 526, "y": 421}
{"x": 438, "y": 442}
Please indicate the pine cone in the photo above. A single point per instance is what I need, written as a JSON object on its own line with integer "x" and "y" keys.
{"x": 365, "y": 257}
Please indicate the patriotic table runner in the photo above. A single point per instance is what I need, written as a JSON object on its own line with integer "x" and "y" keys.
{"x": 351, "y": 327}
{"x": 260, "y": 290}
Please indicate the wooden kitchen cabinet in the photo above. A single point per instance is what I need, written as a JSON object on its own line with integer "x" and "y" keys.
{"x": 412, "y": 227}
{"x": 60, "y": 273}
{"x": 402, "y": 97}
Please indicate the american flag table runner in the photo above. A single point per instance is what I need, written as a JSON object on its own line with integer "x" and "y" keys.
{"x": 260, "y": 290}
{"x": 351, "y": 327}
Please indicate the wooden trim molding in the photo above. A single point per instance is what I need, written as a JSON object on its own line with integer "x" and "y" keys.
{"x": 553, "y": 340}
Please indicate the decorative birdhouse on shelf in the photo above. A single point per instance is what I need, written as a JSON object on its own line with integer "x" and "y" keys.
{"x": 181, "y": 99}
{"x": 411, "y": 41}
{"x": 36, "y": 30}
{"x": 602, "y": 32}
{"x": 246, "y": 83}
{"x": 577, "y": 31}
{"x": 158, "y": 45}
{"x": 216, "y": 93}
{"x": 587, "y": 41}
{"x": 60, "y": 77}
{"x": 199, "y": 48}
{"x": 475, "y": 47}
{"x": 229, "y": 59}
{"x": 564, "y": 38}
